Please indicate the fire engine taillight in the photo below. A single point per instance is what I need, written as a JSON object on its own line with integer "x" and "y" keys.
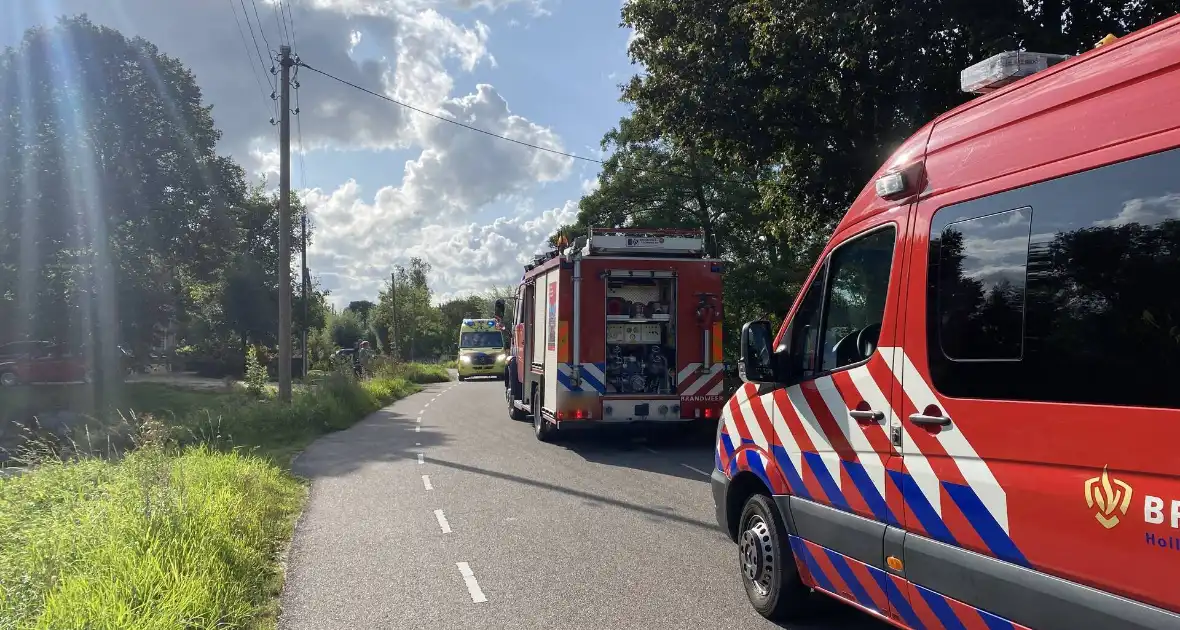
{"x": 710, "y": 413}
{"x": 581, "y": 414}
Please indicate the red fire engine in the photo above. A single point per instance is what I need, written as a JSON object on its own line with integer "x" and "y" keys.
{"x": 624, "y": 325}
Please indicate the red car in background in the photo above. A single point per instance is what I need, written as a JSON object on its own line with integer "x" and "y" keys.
{"x": 40, "y": 362}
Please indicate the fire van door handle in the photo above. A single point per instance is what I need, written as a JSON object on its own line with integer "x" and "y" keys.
{"x": 922, "y": 419}
{"x": 866, "y": 416}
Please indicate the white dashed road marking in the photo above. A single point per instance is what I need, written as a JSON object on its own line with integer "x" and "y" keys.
{"x": 442, "y": 521}
{"x": 421, "y": 458}
{"x": 417, "y": 428}
{"x": 696, "y": 470}
{"x": 472, "y": 585}
{"x": 650, "y": 449}
{"x": 426, "y": 482}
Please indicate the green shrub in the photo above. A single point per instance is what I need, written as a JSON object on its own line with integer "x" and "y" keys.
{"x": 383, "y": 367}
{"x": 256, "y": 374}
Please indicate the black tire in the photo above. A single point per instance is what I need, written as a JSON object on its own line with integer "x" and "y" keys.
{"x": 462, "y": 378}
{"x": 542, "y": 429}
{"x": 9, "y": 379}
{"x": 513, "y": 412}
{"x": 767, "y": 564}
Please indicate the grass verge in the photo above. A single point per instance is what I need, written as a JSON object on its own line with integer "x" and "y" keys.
{"x": 183, "y": 531}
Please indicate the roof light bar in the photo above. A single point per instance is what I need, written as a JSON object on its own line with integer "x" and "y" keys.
{"x": 999, "y": 70}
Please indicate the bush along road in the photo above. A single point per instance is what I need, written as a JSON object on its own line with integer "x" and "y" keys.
{"x": 185, "y": 526}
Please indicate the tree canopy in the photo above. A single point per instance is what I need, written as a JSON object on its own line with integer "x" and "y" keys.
{"x": 759, "y": 121}
{"x": 119, "y": 221}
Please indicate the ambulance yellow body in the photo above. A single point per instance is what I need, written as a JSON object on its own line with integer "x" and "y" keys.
{"x": 481, "y": 349}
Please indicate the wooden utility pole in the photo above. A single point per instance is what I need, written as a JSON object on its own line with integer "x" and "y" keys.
{"x": 305, "y": 282}
{"x": 285, "y": 63}
{"x": 393, "y": 317}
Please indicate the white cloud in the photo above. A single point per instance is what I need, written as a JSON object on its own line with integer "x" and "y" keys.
{"x": 358, "y": 242}
{"x": 415, "y": 42}
{"x": 425, "y": 41}
{"x": 385, "y": 7}
{"x": 1148, "y": 211}
{"x": 434, "y": 208}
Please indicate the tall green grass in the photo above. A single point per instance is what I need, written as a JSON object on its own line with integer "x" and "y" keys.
{"x": 157, "y": 540}
{"x": 183, "y": 531}
{"x": 272, "y": 429}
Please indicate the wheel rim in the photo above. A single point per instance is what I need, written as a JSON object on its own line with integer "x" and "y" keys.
{"x": 756, "y": 550}
{"x": 8, "y": 379}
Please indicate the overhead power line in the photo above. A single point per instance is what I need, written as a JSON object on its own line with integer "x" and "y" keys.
{"x": 262, "y": 31}
{"x": 451, "y": 120}
{"x": 718, "y": 180}
{"x": 291, "y": 22}
{"x": 257, "y": 48}
{"x": 281, "y": 22}
{"x": 253, "y": 69}
{"x": 299, "y": 130}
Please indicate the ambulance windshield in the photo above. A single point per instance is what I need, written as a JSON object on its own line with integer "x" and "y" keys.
{"x": 493, "y": 339}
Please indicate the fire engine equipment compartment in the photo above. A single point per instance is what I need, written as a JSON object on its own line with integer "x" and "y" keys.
{"x": 640, "y": 335}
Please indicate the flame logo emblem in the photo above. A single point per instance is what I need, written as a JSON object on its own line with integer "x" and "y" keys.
{"x": 1109, "y": 496}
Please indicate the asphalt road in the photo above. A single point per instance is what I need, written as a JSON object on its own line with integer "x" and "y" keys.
{"x": 441, "y": 512}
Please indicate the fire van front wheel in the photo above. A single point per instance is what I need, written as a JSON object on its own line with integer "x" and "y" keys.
{"x": 767, "y": 565}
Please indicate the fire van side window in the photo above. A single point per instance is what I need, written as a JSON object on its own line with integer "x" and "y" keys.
{"x": 858, "y": 284}
{"x": 1097, "y": 319}
{"x": 803, "y": 334}
{"x": 981, "y": 271}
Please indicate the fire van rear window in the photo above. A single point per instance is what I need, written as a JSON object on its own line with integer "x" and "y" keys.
{"x": 1097, "y": 318}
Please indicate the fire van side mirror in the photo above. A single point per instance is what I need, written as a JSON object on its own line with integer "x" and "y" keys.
{"x": 500, "y": 306}
{"x": 756, "y": 364}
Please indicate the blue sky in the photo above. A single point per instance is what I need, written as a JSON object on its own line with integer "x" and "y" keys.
{"x": 561, "y": 70}
{"x": 384, "y": 184}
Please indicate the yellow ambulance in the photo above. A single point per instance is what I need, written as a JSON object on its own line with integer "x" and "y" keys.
{"x": 481, "y": 349}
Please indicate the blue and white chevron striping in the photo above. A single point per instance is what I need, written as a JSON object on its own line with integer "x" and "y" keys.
{"x": 593, "y": 378}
